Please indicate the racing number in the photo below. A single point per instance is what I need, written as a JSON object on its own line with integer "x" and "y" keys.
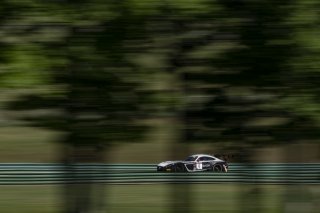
{"x": 199, "y": 165}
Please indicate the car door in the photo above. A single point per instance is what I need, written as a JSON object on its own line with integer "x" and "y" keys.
{"x": 205, "y": 162}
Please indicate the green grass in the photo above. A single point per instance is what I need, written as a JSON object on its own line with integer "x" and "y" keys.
{"x": 158, "y": 198}
{"x": 29, "y": 199}
{"x": 27, "y": 144}
{"x": 30, "y": 144}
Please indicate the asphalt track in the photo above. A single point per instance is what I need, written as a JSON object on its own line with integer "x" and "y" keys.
{"x": 268, "y": 173}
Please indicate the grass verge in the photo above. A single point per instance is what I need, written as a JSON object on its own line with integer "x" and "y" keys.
{"x": 160, "y": 198}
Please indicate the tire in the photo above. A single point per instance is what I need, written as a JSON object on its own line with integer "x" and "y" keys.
{"x": 179, "y": 168}
{"x": 217, "y": 168}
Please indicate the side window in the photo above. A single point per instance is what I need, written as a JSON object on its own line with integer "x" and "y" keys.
{"x": 211, "y": 159}
{"x": 202, "y": 159}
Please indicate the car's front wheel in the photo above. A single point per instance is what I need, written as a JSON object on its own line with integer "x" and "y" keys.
{"x": 217, "y": 168}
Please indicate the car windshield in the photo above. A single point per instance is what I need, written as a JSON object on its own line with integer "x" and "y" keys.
{"x": 190, "y": 158}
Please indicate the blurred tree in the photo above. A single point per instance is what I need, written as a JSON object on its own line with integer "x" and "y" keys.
{"x": 244, "y": 83}
{"x": 234, "y": 75}
{"x": 303, "y": 92}
{"x": 92, "y": 90}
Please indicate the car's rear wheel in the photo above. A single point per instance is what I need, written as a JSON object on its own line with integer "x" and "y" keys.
{"x": 179, "y": 168}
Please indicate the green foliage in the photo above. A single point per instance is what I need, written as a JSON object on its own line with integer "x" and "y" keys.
{"x": 93, "y": 98}
{"x": 235, "y": 70}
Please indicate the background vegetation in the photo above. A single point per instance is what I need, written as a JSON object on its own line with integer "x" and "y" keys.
{"x": 83, "y": 81}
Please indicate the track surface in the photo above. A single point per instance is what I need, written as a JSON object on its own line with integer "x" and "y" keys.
{"x": 269, "y": 173}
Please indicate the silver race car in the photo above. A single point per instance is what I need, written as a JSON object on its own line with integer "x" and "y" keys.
{"x": 194, "y": 163}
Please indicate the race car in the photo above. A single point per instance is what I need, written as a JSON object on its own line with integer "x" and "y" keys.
{"x": 194, "y": 163}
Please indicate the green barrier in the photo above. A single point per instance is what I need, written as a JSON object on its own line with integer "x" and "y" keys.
{"x": 28, "y": 173}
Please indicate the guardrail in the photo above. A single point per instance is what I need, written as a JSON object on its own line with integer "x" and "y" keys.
{"x": 268, "y": 173}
